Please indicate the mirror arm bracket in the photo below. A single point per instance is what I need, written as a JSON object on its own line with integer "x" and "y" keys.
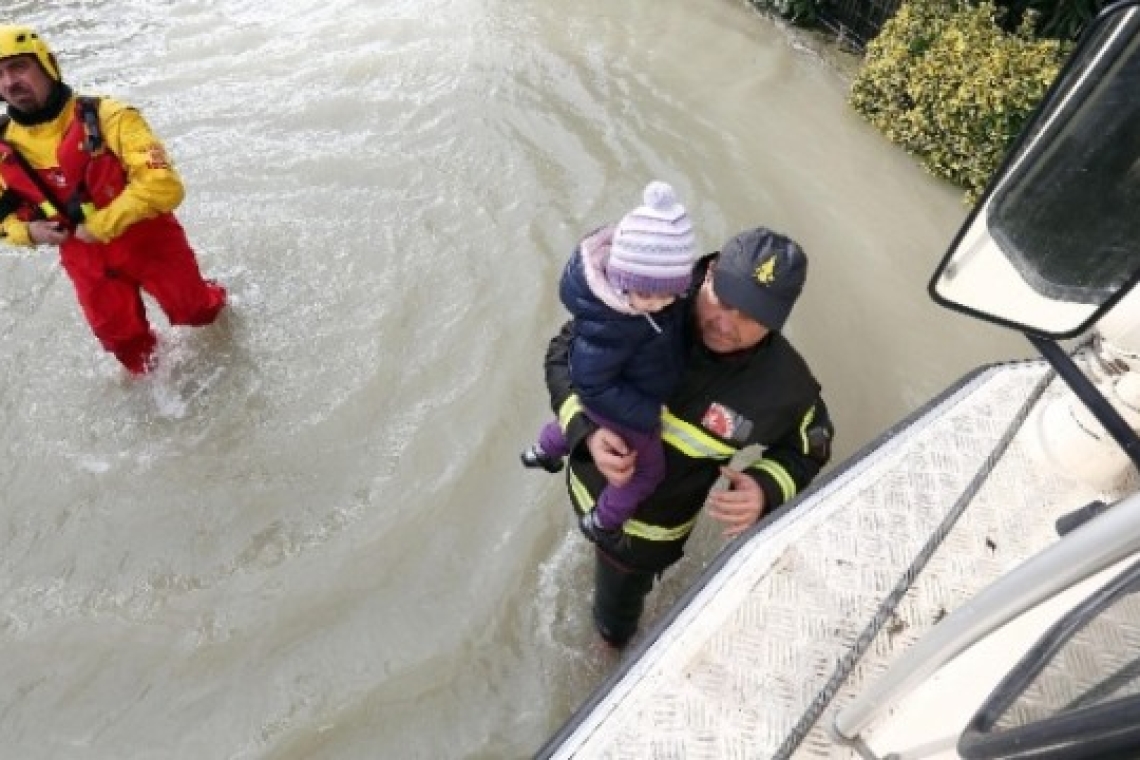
{"x": 1100, "y": 407}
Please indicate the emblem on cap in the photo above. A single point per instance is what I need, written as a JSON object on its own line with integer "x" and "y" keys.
{"x": 765, "y": 273}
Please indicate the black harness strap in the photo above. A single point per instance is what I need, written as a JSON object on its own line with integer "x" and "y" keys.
{"x": 89, "y": 113}
{"x": 93, "y": 142}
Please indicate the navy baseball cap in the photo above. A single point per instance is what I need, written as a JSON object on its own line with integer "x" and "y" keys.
{"x": 761, "y": 274}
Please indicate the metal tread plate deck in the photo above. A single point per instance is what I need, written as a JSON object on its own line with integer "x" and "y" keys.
{"x": 731, "y": 674}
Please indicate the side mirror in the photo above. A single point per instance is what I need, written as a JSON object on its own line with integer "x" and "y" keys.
{"x": 1054, "y": 241}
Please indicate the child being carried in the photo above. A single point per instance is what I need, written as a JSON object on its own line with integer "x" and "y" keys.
{"x": 626, "y": 350}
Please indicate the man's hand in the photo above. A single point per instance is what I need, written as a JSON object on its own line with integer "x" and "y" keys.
{"x": 43, "y": 232}
{"x": 612, "y": 456}
{"x": 85, "y": 235}
{"x": 739, "y": 506}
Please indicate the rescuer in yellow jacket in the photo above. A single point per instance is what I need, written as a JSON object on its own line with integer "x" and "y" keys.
{"x": 89, "y": 175}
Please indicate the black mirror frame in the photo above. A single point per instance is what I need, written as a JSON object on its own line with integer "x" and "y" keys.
{"x": 1011, "y": 156}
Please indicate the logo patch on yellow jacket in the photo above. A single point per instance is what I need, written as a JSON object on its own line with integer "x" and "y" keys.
{"x": 156, "y": 157}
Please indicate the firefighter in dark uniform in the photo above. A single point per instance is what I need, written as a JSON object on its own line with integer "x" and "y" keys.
{"x": 743, "y": 384}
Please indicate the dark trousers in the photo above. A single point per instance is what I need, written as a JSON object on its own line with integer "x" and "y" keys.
{"x": 619, "y": 598}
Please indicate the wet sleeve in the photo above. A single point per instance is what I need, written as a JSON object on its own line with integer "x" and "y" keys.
{"x": 153, "y": 185}
{"x": 564, "y": 401}
{"x": 792, "y": 462}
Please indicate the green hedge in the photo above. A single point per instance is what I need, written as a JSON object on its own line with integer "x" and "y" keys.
{"x": 946, "y": 83}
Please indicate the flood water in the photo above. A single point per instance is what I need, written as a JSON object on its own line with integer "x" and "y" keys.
{"x": 308, "y": 534}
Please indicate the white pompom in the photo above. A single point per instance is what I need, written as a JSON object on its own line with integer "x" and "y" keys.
{"x": 659, "y": 196}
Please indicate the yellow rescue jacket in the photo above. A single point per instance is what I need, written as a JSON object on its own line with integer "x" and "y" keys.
{"x": 152, "y": 186}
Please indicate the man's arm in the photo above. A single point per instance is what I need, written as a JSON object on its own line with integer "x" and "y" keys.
{"x": 793, "y": 461}
{"x": 787, "y": 467}
{"x": 13, "y": 230}
{"x": 16, "y": 232}
{"x": 153, "y": 185}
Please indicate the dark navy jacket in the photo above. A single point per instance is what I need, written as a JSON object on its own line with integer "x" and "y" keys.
{"x": 622, "y": 366}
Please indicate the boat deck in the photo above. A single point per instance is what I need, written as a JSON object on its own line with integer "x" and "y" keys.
{"x": 748, "y": 663}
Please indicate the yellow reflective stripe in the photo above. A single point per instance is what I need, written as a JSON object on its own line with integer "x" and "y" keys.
{"x": 580, "y": 493}
{"x": 643, "y": 530}
{"x": 691, "y": 440}
{"x": 88, "y": 209}
{"x": 784, "y": 480}
{"x": 805, "y": 444}
{"x": 48, "y": 209}
{"x": 570, "y": 407}
{"x": 780, "y": 475}
{"x": 656, "y": 532}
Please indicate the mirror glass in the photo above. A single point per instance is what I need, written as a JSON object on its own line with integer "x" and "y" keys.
{"x": 1055, "y": 239}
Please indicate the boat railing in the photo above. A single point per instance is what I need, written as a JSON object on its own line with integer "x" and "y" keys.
{"x": 1089, "y": 549}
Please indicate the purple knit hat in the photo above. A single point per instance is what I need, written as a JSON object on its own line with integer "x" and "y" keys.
{"x": 653, "y": 248}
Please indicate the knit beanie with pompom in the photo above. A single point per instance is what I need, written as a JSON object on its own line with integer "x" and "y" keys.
{"x": 653, "y": 247}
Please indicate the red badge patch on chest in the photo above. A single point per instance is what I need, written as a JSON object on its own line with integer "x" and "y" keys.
{"x": 719, "y": 420}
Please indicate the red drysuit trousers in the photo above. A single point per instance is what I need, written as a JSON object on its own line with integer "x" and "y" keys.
{"x": 155, "y": 256}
